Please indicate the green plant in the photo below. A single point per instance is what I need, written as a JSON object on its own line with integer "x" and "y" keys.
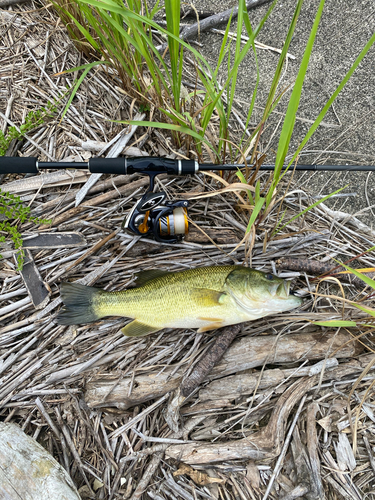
{"x": 14, "y": 212}
{"x": 121, "y": 37}
{"x": 33, "y": 119}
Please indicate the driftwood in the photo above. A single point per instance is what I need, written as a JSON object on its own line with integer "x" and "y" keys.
{"x": 213, "y": 21}
{"x": 243, "y": 384}
{"x": 219, "y": 236}
{"x": 245, "y": 353}
{"x": 202, "y": 369}
{"x": 27, "y": 470}
{"x": 265, "y": 444}
{"x": 211, "y": 358}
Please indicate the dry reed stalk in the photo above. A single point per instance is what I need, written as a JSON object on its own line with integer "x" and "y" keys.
{"x": 49, "y": 374}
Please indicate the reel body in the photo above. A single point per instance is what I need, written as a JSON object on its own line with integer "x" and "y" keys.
{"x": 166, "y": 221}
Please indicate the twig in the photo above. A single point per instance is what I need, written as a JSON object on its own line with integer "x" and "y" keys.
{"x": 211, "y": 358}
{"x": 213, "y": 21}
{"x": 73, "y": 449}
{"x": 320, "y": 268}
{"x": 157, "y": 458}
{"x": 123, "y": 190}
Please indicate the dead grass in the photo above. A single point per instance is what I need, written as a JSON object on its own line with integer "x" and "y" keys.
{"x": 98, "y": 401}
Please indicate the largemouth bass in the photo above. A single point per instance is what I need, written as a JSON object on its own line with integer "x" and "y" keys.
{"x": 205, "y": 298}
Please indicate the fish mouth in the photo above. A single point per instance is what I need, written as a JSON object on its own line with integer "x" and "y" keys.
{"x": 283, "y": 290}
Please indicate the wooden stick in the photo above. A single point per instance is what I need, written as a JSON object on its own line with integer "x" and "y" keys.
{"x": 320, "y": 268}
{"x": 263, "y": 445}
{"x": 210, "y": 359}
{"x": 98, "y": 200}
{"x": 213, "y": 21}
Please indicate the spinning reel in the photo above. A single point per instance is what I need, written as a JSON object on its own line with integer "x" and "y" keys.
{"x": 166, "y": 221}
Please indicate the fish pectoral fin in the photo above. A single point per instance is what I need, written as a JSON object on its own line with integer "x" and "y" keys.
{"x": 206, "y": 297}
{"x": 211, "y": 326}
{"x": 144, "y": 276}
{"x": 138, "y": 329}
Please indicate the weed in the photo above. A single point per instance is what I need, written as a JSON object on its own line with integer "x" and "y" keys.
{"x": 33, "y": 119}
{"x": 14, "y": 212}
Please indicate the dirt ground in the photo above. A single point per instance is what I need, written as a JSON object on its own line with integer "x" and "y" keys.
{"x": 347, "y": 136}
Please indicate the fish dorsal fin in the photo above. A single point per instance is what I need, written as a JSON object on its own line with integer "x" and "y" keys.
{"x": 207, "y": 297}
{"x": 138, "y": 329}
{"x": 144, "y": 276}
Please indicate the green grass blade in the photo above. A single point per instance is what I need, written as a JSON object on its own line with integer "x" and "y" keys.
{"x": 294, "y": 101}
{"x": 257, "y": 208}
{"x": 87, "y": 68}
{"x": 335, "y": 323}
{"x": 167, "y": 126}
{"x": 172, "y": 10}
{"x": 371, "y": 312}
{"x": 370, "y": 282}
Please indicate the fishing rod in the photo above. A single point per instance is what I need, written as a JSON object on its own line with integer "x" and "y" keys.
{"x": 150, "y": 166}
{"x": 153, "y": 215}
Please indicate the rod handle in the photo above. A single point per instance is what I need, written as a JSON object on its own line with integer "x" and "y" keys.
{"x": 18, "y": 165}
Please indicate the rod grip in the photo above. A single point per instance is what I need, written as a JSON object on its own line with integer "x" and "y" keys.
{"x": 18, "y": 165}
{"x": 107, "y": 165}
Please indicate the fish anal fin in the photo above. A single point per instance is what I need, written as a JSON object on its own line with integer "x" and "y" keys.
{"x": 138, "y": 329}
{"x": 207, "y": 297}
{"x": 144, "y": 276}
{"x": 211, "y": 326}
{"x": 211, "y": 320}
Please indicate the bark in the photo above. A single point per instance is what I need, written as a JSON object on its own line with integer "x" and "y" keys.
{"x": 211, "y": 358}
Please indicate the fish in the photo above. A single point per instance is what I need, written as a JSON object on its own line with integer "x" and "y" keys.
{"x": 205, "y": 298}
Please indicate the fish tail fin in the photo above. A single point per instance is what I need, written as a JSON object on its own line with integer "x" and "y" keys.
{"x": 79, "y": 304}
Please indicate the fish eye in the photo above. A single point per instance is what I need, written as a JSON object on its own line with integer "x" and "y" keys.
{"x": 269, "y": 277}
